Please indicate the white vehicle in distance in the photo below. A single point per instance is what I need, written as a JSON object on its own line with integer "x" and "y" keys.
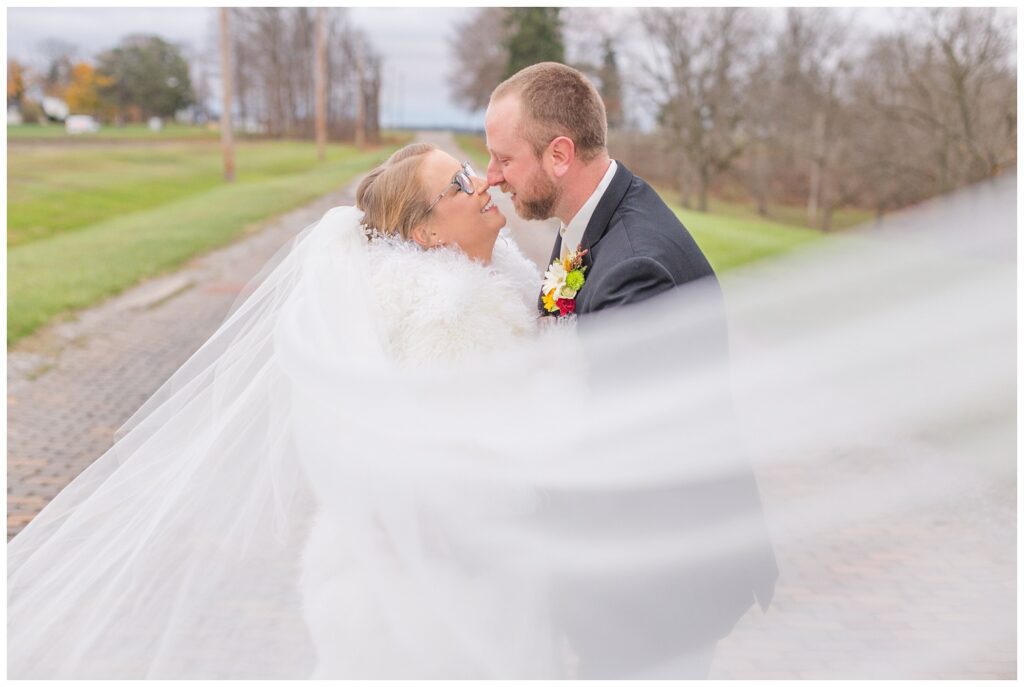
{"x": 81, "y": 124}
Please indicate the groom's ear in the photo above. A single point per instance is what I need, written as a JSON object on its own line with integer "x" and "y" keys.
{"x": 563, "y": 153}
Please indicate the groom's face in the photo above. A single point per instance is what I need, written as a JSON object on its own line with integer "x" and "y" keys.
{"x": 514, "y": 165}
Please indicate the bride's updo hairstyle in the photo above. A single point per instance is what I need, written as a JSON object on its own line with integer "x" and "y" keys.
{"x": 391, "y": 196}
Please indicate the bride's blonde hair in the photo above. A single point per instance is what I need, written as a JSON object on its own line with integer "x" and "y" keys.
{"x": 391, "y": 196}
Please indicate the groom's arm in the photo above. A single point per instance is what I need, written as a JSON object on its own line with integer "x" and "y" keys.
{"x": 630, "y": 281}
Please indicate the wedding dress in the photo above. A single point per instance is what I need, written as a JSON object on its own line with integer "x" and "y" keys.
{"x": 380, "y": 466}
{"x": 433, "y": 308}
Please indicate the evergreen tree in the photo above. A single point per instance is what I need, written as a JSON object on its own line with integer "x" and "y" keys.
{"x": 534, "y": 34}
{"x": 611, "y": 85}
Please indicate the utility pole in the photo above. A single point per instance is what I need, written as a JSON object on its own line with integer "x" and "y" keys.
{"x": 227, "y": 140}
{"x": 321, "y": 83}
{"x": 360, "y": 94}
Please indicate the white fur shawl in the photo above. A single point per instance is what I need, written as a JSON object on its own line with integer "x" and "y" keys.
{"x": 437, "y": 305}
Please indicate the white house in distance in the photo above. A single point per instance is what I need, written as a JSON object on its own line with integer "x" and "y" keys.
{"x": 55, "y": 108}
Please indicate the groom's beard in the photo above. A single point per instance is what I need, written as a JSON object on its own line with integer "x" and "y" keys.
{"x": 541, "y": 202}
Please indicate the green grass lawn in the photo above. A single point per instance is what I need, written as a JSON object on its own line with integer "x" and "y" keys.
{"x": 171, "y": 131}
{"x": 53, "y": 189}
{"x": 85, "y": 224}
{"x": 729, "y": 241}
{"x": 791, "y": 215}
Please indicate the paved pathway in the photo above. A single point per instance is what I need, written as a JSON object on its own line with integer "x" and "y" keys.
{"x": 861, "y": 603}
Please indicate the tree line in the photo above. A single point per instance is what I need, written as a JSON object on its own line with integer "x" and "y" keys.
{"x": 142, "y": 77}
{"x": 273, "y": 58}
{"x": 805, "y": 107}
{"x": 273, "y": 81}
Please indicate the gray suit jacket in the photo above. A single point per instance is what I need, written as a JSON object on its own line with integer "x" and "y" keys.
{"x": 638, "y": 248}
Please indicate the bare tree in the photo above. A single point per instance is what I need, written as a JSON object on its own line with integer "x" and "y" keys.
{"x": 321, "y": 83}
{"x": 372, "y": 79}
{"x": 58, "y": 60}
{"x": 819, "y": 112}
{"x": 950, "y": 82}
{"x": 480, "y": 56}
{"x": 700, "y": 67}
{"x": 341, "y": 76}
{"x": 242, "y": 76}
{"x": 275, "y": 76}
{"x": 302, "y": 61}
{"x": 815, "y": 52}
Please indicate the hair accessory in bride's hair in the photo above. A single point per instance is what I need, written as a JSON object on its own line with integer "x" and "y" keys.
{"x": 371, "y": 233}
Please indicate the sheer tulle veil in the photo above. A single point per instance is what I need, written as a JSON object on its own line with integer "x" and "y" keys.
{"x": 492, "y": 516}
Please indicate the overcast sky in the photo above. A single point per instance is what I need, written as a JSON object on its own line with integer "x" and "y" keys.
{"x": 413, "y": 41}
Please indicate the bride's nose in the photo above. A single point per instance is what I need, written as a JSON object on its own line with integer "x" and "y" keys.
{"x": 480, "y": 185}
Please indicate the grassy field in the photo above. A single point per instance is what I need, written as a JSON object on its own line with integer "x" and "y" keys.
{"x": 171, "y": 131}
{"x": 85, "y": 223}
{"x": 730, "y": 236}
{"x": 53, "y": 189}
{"x": 791, "y": 215}
{"x": 729, "y": 241}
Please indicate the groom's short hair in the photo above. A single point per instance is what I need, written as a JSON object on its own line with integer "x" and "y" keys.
{"x": 558, "y": 100}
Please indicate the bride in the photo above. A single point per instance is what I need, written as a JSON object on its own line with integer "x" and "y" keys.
{"x": 381, "y": 466}
{"x": 442, "y": 282}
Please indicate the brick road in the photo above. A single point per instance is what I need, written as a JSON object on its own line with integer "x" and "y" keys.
{"x": 71, "y": 385}
{"x": 867, "y": 601}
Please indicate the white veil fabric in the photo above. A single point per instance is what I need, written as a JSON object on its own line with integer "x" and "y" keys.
{"x": 293, "y": 504}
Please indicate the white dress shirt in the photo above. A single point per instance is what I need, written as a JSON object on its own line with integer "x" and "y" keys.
{"x": 572, "y": 233}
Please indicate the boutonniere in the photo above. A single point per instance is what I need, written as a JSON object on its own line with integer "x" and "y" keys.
{"x": 562, "y": 281}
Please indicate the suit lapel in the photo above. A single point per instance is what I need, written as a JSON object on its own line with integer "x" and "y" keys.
{"x": 606, "y": 207}
{"x": 598, "y": 224}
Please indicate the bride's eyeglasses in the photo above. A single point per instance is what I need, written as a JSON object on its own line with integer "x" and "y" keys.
{"x": 463, "y": 179}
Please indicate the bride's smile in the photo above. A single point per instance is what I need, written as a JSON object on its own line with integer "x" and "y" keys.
{"x": 462, "y": 212}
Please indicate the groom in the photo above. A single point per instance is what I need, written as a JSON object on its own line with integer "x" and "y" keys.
{"x": 546, "y": 132}
{"x": 546, "y": 135}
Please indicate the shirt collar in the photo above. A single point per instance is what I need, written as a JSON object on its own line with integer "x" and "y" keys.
{"x": 572, "y": 233}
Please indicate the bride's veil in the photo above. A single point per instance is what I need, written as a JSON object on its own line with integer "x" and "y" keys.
{"x": 176, "y": 553}
{"x": 604, "y": 498}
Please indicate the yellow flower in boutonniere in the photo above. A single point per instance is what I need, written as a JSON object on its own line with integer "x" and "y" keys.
{"x": 549, "y": 301}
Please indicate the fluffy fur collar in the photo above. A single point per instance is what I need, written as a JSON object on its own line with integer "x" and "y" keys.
{"x": 438, "y": 305}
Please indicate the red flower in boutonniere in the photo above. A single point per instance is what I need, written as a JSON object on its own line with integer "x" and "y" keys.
{"x": 566, "y": 306}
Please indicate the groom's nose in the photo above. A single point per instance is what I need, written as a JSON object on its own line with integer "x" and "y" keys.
{"x": 494, "y": 175}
